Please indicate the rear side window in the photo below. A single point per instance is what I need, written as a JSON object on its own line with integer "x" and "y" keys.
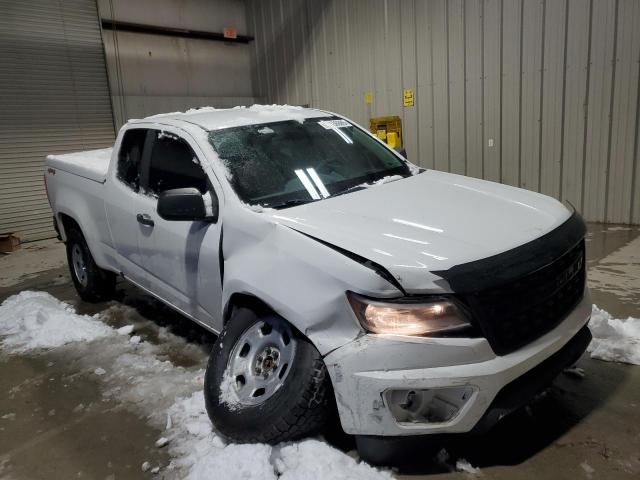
{"x": 174, "y": 165}
{"x": 130, "y": 157}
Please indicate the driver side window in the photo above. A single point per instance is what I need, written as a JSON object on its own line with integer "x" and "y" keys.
{"x": 173, "y": 164}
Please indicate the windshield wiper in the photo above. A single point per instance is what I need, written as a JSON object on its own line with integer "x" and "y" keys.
{"x": 355, "y": 188}
{"x": 294, "y": 202}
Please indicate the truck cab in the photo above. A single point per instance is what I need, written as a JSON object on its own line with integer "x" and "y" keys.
{"x": 340, "y": 276}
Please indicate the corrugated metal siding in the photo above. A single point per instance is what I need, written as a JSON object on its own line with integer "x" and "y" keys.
{"x": 54, "y": 98}
{"x": 551, "y": 84}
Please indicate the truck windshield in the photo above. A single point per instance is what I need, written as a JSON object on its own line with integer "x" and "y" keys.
{"x": 288, "y": 163}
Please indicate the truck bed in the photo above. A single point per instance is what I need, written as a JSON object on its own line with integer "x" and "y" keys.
{"x": 91, "y": 164}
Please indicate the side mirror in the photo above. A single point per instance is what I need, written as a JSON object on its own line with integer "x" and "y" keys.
{"x": 186, "y": 204}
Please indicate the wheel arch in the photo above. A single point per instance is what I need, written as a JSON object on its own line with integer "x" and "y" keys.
{"x": 67, "y": 222}
{"x": 248, "y": 300}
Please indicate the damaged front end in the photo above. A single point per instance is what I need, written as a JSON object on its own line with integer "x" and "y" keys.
{"x": 389, "y": 385}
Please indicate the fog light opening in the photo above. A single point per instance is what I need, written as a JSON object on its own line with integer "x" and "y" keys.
{"x": 427, "y": 406}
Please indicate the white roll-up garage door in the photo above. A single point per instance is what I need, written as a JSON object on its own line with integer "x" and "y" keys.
{"x": 54, "y": 98}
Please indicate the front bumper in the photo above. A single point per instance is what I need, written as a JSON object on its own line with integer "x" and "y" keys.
{"x": 364, "y": 371}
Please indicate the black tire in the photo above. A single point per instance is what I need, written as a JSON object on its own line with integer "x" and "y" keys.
{"x": 98, "y": 285}
{"x": 299, "y": 408}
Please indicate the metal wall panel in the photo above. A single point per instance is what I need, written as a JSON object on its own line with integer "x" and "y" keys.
{"x": 474, "y": 91}
{"x": 409, "y": 73}
{"x": 511, "y": 89}
{"x": 623, "y": 121}
{"x": 541, "y": 94}
{"x": 491, "y": 85}
{"x": 603, "y": 44}
{"x": 54, "y": 98}
{"x": 440, "y": 74}
{"x": 457, "y": 126}
{"x": 532, "y": 48}
{"x": 424, "y": 93}
{"x": 152, "y": 74}
{"x": 552, "y": 95}
{"x": 576, "y": 97}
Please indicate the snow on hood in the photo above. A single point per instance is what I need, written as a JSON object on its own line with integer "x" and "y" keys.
{"x": 428, "y": 222}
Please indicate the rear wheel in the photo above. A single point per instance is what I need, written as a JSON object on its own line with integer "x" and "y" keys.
{"x": 265, "y": 382}
{"x": 92, "y": 282}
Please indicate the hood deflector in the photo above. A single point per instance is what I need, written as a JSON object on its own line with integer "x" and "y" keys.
{"x": 518, "y": 262}
{"x": 376, "y": 267}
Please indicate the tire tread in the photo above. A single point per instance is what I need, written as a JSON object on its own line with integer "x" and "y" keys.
{"x": 300, "y": 422}
{"x": 302, "y": 412}
{"x": 101, "y": 285}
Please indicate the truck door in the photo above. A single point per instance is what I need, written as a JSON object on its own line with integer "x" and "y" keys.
{"x": 123, "y": 196}
{"x": 180, "y": 257}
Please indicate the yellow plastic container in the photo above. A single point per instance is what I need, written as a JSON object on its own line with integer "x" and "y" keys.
{"x": 392, "y": 140}
{"x": 387, "y": 129}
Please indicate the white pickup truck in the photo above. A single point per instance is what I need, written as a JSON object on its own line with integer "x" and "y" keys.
{"x": 339, "y": 276}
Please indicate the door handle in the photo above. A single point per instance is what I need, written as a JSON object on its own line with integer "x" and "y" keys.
{"x": 145, "y": 219}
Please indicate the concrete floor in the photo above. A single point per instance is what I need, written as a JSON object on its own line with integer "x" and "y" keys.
{"x": 56, "y": 423}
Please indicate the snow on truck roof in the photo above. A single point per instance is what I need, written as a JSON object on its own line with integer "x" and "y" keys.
{"x": 211, "y": 118}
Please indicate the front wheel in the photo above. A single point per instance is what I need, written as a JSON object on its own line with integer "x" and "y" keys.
{"x": 92, "y": 283}
{"x": 265, "y": 382}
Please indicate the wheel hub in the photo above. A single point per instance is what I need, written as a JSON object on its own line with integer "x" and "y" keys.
{"x": 261, "y": 360}
{"x": 267, "y": 362}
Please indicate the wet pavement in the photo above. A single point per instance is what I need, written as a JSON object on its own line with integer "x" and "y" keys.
{"x": 56, "y": 422}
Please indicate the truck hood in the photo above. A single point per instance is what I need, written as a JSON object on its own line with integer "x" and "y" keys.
{"x": 428, "y": 222}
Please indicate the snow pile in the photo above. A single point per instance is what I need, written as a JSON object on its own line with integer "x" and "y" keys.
{"x": 126, "y": 330}
{"x": 275, "y": 112}
{"x": 235, "y": 462}
{"x": 36, "y": 320}
{"x": 588, "y": 469}
{"x": 614, "y": 340}
{"x": 463, "y": 465}
{"x": 198, "y": 450}
{"x": 170, "y": 397}
{"x": 163, "y": 134}
{"x": 202, "y": 453}
{"x": 315, "y": 459}
{"x": 228, "y": 394}
{"x": 267, "y": 112}
{"x": 381, "y": 181}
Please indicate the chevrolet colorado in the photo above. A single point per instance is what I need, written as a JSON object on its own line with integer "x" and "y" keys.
{"x": 338, "y": 275}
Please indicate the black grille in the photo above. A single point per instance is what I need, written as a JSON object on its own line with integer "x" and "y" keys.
{"x": 519, "y": 311}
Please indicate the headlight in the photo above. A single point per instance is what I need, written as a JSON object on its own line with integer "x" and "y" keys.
{"x": 437, "y": 317}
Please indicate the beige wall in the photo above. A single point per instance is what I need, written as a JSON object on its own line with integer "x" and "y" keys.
{"x": 552, "y": 85}
{"x": 151, "y": 74}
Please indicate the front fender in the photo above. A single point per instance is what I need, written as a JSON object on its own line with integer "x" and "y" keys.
{"x": 300, "y": 279}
